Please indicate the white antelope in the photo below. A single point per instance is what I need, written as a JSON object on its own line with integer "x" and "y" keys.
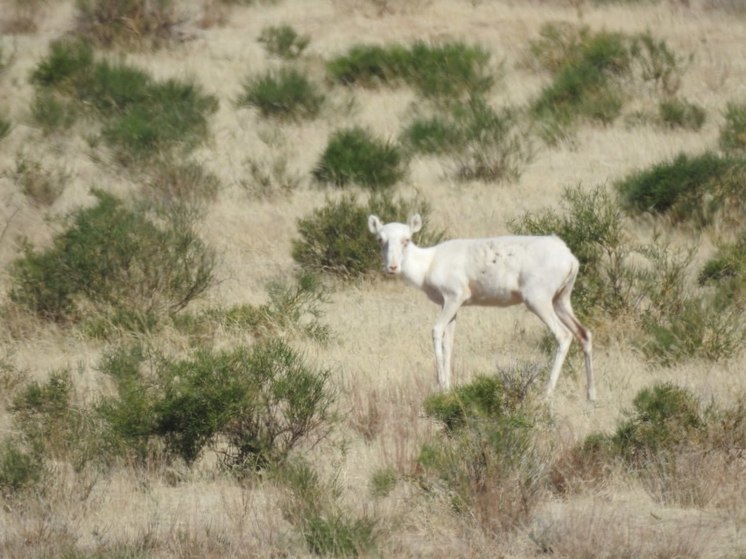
{"x": 499, "y": 271}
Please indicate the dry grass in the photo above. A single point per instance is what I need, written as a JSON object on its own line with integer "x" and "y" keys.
{"x": 381, "y": 351}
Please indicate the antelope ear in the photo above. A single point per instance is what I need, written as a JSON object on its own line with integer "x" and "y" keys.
{"x": 415, "y": 223}
{"x": 374, "y": 224}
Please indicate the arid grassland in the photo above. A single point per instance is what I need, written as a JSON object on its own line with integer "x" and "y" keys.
{"x": 199, "y": 354}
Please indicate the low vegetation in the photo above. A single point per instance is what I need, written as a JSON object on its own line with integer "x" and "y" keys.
{"x": 448, "y": 70}
{"x": 262, "y": 401}
{"x": 482, "y": 143}
{"x": 136, "y": 365}
{"x": 334, "y": 239}
{"x": 140, "y": 117}
{"x": 693, "y": 189}
{"x": 283, "y": 41}
{"x": 284, "y": 94}
{"x": 642, "y": 289}
{"x": 591, "y": 73}
{"x": 355, "y": 156}
{"x": 113, "y": 267}
{"x": 733, "y": 132}
{"x": 132, "y": 23}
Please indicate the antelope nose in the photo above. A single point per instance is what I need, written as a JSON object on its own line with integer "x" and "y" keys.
{"x": 392, "y": 268}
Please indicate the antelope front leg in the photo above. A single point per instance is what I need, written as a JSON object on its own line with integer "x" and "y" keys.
{"x": 443, "y": 341}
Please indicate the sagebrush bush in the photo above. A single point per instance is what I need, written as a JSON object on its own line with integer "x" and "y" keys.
{"x": 590, "y": 74}
{"x": 283, "y": 41}
{"x": 657, "y": 63}
{"x": 448, "y": 70}
{"x": 695, "y": 189}
{"x": 19, "y": 468}
{"x": 678, "y": 113}
{"x": 664, "y": 416}
{"x": 285, "y": 94}
{"x": 733, "y": 131}
{"x": 355, "y": 156}
{"x": 487, "y": 458}
{"x": 591, "y": 224}
{"x": 335, "y": 239}
{"x": 483, "y": 144}
{"x": 141, "y": 118}
{"x": 52, "y": 424}
{"x": 667, "y": 439}
{"x": 126, "y": 22}
{"x": 679, "y": 323}
{"x": 726, "y": 271}
{"x": 313, "y": 507}
{"x": 583, "y": 82}
{"x": 113, "y": 265}
{"x": 294, "y": 308}
{"x": 262, "y": 402}
{"x": 52, "y": 113}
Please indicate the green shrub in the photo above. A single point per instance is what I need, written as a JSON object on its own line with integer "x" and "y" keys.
{"x": 582, "y": 84}
{"x": 141, "y": 118}
{"x": 687, "y": 188}
{"x": 487, "y": 458}
{"x": 676, "y": 323}
{"x": 126, "y": 22}
{"x": 657, "y": 63}
{"x": 52, "y": 113}
{"x": 283, "y": 41}
{"x": 555, "y": 46}
{"x": 353, "y": 155}
{"x": 483, "y": 144}
{"x": 667, "y": 440}
{"x": 117, "y": 262}
{"x": 663, "y": 417}
{"x": 382, "y": 482}
{"x": 704, "y": 330}
{"x": 284, "y": 94}
{"x": 173, "y": 115}
{"x": 434, "y": 135}
{"x": 261, "y": 401}
{"x": 369, "y": 65}
{"x": 19, "y": 469}
{"x": 335, "y": 240}
{"x": 733, "y": 131}
{"x": 448, "y": 70}
{"x": 52, "y": 424}
{"x": 591, "y": 224}
{"x": 339, "y": 536}
{"x": 314, "y": 509}
{"x": 293, "y": 308}
{"x": 677, "y": 113}
{"x": 62, "y": 68}
{"x": 130, "y": 416}
{"x": 589, "y": 74}
{"x": 494, "y": 149}
{"x": 441, "y": 71}
{"x": 726, "y": 271}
